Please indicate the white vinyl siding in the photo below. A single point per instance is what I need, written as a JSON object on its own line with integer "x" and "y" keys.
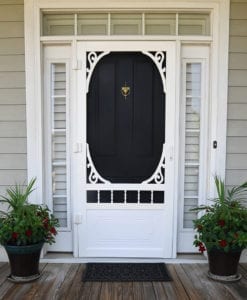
{"x": 13, "y": 158}
{"x": 236, "y": 166}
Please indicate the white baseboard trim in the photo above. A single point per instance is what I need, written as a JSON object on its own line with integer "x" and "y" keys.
{"x": 68, "y": 258}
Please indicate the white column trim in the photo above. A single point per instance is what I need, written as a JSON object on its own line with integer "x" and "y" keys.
{"x": 33, "y": 98}
{"x": 218, "y": 93}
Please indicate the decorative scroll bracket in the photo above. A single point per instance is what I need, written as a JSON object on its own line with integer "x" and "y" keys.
{"x": 159, "y": 175}
{"x": 94, "y": 176}
{"x": 92, "y": 59}
{"x": 159, "y": 58}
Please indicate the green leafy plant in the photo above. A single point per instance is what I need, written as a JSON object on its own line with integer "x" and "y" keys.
{"x": 25, "y": 223}
{"x": 224, "y": 224}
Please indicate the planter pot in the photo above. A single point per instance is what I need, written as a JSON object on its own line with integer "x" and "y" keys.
{"x": 24, "y": 262}
{"x": 224, "y": 266}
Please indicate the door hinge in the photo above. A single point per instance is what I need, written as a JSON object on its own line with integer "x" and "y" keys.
{"x": 78, "y": 219}
{"x": 77, "y": 65}
{"x": 77, "y": 147}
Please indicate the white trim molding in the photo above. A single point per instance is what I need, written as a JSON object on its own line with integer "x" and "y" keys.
{"x": 218, "y": 71}
{"x": 33, "y": 99}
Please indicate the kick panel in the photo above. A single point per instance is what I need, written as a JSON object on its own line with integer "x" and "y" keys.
{"x": 130, "y": 230}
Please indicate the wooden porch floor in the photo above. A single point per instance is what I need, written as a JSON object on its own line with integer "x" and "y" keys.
{"x": 63, "y": 281}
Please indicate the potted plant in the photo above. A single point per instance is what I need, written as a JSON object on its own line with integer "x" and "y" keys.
{"x": 222, "y": 231}
{"x": 24, "y": 228}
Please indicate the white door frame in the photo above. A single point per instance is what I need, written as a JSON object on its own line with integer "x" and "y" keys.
{"x": 171, "y": 152}
{"x": 33, "y": 69}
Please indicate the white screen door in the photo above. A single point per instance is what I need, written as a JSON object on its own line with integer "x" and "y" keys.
{"x": 123, "y": 161}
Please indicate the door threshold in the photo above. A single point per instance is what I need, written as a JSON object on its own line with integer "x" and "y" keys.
{"x": 56, "y": 257}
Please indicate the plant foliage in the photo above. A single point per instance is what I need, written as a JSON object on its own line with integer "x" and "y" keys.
{"x": 224, "y": 224}
{"x": 25, "y": 223}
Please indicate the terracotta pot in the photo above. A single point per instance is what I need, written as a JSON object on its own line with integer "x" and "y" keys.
{"x": 24, "y": 262}
{"x": 224, "y": 265}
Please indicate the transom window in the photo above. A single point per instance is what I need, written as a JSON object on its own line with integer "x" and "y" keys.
{"x": 144, "y": 23}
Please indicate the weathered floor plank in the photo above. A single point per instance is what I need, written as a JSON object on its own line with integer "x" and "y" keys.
{"x": 105, "y": 291}
{"x": 64, "y": 281}
{"x": 75, "y": 290}
{"x": 95, "y": 291}
{"x": 138, "y": 291}
{"x": 205, "y": 286}
{"x": 215, "y": 286}
{"x": 4, "y": 271}
{"x": 85, "y": 293}
{"x": 127, "y": 288}
{"x": 148, "y": 291}
{"x": 178, "y": 287}
{"x": 24, "y": 291}
{"x": 117, "y": 290}
{"x": 68, "y": 280}
{"x": 5, "y": 285}
{"x": 239, "y": 289}
{"x": 187, "y": 284}
{"x": 159, "y": 291}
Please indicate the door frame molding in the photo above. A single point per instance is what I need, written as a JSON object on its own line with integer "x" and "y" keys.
{"x": 79, "y": 113}
{"x": 34, "y": 69}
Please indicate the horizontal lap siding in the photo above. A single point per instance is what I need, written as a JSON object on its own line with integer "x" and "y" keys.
{"x": 236, "y": 160}
{"x": 13, "y": 143}
{"x": 12, "y": 94}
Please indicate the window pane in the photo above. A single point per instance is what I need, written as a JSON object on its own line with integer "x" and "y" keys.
{"x": 58, "y": 142}
{"x": 192, "y": 147}
{"x": 160, "y": 24}
{"x": 192, "y": 113}
{"x": 193, "y": 79}
{"x": 189, "y": 215}
{"x": 192, "y": 140}
{"x": 191, "y": 183}
{"x": 58, "y": 24}
{"x": 92, "y": 24}
{"x": 194, "y": 24}
{"x": 126, "y": 24}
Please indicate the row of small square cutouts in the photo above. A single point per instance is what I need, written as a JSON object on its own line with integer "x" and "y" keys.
{"x": 156, "y": 197}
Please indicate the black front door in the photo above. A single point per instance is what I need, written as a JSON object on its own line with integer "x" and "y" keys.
{"x": 126, "y": 117}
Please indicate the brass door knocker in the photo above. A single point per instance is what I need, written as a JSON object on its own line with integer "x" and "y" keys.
{"x": 125, "y": 90}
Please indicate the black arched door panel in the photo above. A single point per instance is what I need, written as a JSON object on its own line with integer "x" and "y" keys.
{"x": 125, "y": 134}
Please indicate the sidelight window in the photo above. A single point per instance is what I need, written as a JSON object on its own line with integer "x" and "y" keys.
{"x": 58, "y": 143}
{"x": 192, "y": 140}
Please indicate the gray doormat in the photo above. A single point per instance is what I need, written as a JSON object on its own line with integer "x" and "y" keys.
{"x": 126, "y": 272}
